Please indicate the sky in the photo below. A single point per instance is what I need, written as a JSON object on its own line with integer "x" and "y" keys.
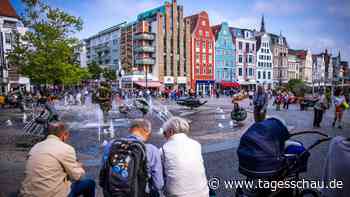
{"x": 309, "y": 24}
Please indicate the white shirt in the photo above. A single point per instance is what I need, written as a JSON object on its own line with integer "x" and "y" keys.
{"x": 184, "y": 168}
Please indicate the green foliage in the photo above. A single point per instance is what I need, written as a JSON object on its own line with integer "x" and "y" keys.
{"x": 297, "y": 86}
{"x": 45, "y": 52}
{"x": 94, "y": 70}
{"x": 109, "y": 74}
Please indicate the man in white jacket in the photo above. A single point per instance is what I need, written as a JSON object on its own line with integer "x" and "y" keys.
{"x": 183, "y": 163}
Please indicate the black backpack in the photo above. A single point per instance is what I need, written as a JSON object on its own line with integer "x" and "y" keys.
{"x": 124, "y": 174}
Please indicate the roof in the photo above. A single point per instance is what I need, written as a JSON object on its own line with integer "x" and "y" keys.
{"x": 7, "y": 10}
{"x": 216, "y": 29}
{"x": 274, "y": 39}
{"x": 193, "y": 21}
{"x": 301, "y": 54}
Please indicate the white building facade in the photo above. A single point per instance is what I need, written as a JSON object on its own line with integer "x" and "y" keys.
{"x": 264, "y": 71}
{"x": 10, "y": 25}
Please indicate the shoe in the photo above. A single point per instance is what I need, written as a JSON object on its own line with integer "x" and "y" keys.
{"x": 340, "y": 127}
{"x": 333, "y": 124}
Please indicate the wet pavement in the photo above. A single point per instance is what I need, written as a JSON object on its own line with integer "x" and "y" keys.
{"x": 211, "y": 126}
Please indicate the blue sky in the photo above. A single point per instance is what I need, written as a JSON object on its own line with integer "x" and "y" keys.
{"x": 314, "y": 24}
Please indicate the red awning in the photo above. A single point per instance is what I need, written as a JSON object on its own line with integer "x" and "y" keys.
{"x": 150, "y": 84}
{"x": 229, "y": 84}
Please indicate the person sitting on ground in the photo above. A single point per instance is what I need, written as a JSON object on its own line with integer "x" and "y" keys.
{"x": 147, "y": 166}
{"x": 52, "y": 164}
{"x": 184, "y": 170}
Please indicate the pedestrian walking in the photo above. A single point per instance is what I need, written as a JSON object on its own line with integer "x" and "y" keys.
{"x": 260, "y": 102}
{"x": 340, "y": 104}
{"x": 183, "y": 162}
{"x": 319, "y": 108}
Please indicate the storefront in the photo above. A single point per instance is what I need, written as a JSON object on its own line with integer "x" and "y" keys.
{"x": 169, "y": 82}
{"x": 205, "y": 87}
{"x": 181, "y": 83}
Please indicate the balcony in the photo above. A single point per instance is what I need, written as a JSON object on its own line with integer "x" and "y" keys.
{"x": 149, "y": 49}
{"x": 147, "y": 61}
{"x": 144, "y": 36}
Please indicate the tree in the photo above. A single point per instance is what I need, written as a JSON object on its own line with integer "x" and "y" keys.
{"x": 297, "y": 86}
{"x": 109, "y": 74}
{"x": 94, "y": 70}
{"x": 45, "y": 52}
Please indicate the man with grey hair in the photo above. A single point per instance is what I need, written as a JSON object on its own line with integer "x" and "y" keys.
{"x": 52, "y": 164}
{"x": 182, "y": 160}
{"x": 140, "y": 132}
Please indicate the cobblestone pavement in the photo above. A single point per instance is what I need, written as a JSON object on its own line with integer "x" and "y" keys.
{"x": 219, "y": 145}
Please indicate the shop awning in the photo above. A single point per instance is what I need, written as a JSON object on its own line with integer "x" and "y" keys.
{"x": 150, "y": 84}
{"x": 229, "y": 84}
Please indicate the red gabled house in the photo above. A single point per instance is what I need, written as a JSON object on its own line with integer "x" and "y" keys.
{"x": 202, "y": 54}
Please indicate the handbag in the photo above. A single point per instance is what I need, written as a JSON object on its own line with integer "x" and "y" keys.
{"x": 345, "y": 105}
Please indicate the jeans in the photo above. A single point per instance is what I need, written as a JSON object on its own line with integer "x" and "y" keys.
{"x": 318, "y": 114}
{"x": 84, "y": 187}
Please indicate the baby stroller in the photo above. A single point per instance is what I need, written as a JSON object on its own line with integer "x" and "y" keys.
{"x": 267, "y": 153}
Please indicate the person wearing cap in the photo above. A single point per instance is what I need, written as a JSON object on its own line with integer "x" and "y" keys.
{"x": 140, "y": 130}
{"x": 183, "y": 163}
{"x": 51, "y": 166}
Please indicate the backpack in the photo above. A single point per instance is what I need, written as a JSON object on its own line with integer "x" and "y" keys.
{"x": 124, "y": 173}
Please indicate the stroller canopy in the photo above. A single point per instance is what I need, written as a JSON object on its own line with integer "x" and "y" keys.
{"x": 260, "y": 152}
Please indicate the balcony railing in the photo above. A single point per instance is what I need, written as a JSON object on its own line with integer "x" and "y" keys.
{"x": 144, "y": 36}
{"x": 147, "y": 61}
{"x": 145, "y": 49}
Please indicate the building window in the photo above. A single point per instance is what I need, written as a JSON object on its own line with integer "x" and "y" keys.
{"x": 247, "y": 47}
{"x": 197, "y": 45}
{"x": 204, "y": 71}
{"x": 204, "y": 23}
{"x": 200, "y": 33}
{"x": 204, "y": 58}
{"x": 250, "y": 72}
{"x": 269, "y": 75}
{"x": 210, "y": 69}
{"x": 204, "y": 45}
{"x": 197, "y": 57}
{"x": 250, "y": 60}
{"x": 264, "y": 75}
{"x": 253, "y": 46}
{"x": 210, "y": 59}
{"x": 8, "y": 38}
{"x": 210, "y": 45}
{"x": 240, "y": 45}
{"x": 207, "y": 34}
{"x": 259, "y": 75}
{"x": 240, "y": 71}
{"x": 240, "y": 59}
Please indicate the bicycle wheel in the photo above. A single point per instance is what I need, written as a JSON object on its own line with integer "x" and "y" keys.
{"x": 309, "y": 193}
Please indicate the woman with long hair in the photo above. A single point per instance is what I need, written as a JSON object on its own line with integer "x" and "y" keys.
{"x": 338, "y": 100}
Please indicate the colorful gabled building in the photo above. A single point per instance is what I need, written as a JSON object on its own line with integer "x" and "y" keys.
{"x": 225, "y": 55}
{"x": 245, "y": 57}
{"x": 202, "y": 54}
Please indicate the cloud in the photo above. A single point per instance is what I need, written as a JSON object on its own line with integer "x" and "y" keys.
{"x": 278, "y": 7}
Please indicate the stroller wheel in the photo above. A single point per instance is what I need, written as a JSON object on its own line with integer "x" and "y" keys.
{"x": 309, "y": 193}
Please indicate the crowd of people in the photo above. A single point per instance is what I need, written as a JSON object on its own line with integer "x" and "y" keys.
{"x": 129, "y": 166}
